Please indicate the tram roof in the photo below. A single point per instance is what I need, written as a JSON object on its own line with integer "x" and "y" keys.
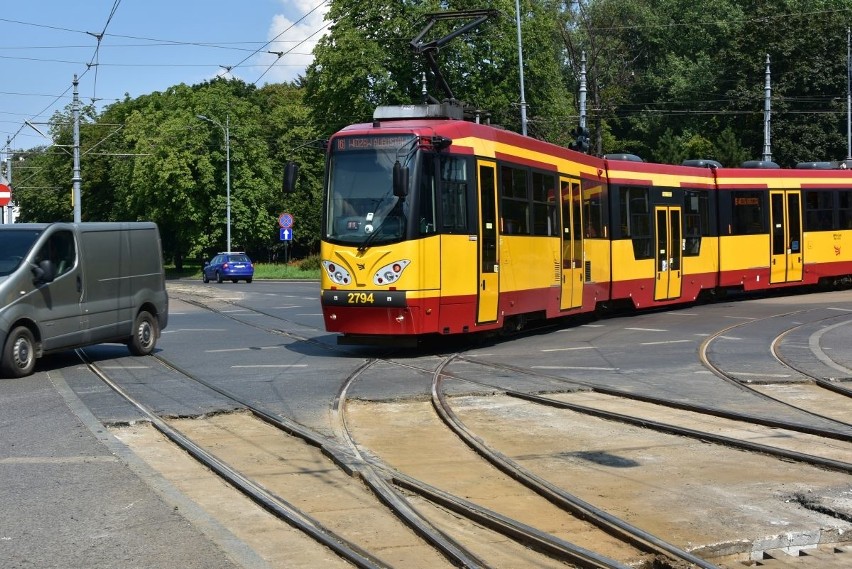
{"x": 430, "y": 120}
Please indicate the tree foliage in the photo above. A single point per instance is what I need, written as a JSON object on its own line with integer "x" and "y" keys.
{"x": 689, "y": 66}
{"x": 153, "y": 158}
{"x": 667, "y": 79}
{"x": 367, "y": 60}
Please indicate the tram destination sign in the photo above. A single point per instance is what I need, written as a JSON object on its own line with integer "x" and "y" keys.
{"x": 378, "y": 142}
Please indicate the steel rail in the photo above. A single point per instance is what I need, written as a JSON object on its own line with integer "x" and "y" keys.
{"x": 828, "y": 463}
{"x": 513, "y": 529}
{"x": 604, "y": 520}
{"x": 837, "y": 435}
{"x": 260, "y": 495}
{"x": 352, "y": 465}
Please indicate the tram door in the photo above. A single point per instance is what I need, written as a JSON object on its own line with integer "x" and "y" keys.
{"x": 786, "y": 236}
{"x": 489, "y": 262}
{"x": 572, "y": 245}
{"x": 669, "y": 253}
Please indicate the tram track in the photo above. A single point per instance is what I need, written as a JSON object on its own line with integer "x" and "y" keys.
{"x": 761, "y": 389}
{"x": 728, "y": 419}
{"x": 558, "y": 383}
{"x": 609, "y": 402}
{"x": 261, "y": 496}
{"x": 523, "y": 533}
{"x": 377, "y": 476}
{"x": 606, "y": 521}
{"x": 504, "y": 525}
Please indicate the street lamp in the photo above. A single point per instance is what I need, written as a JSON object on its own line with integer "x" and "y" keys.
{"x": 227, "y": 131}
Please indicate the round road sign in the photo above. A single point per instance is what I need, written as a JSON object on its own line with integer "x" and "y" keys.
{"x": 5, "y": 195}
{"x": 285, "y": 220}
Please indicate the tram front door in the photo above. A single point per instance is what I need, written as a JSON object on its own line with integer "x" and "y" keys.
{"x": 786, "y": 236}
{"x": 572, "y": 245}
{"x": 669, "y": 254}
{"x": 488, "y": 293}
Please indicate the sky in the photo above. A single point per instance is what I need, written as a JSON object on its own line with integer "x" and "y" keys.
{"x": 145, "y": 46}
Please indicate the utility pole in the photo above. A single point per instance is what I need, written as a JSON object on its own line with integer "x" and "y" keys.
{"x": 583, "y": 90}
{"x": 767, "y": 114}
{"x": 848, "y": 95}
{"x": 521, "y": 65}
{"x": 10, "y": 207}
{"x": 75, "y": 178}
{"x": 227, "y": 132}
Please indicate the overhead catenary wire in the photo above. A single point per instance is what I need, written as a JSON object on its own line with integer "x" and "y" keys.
{"x": 96, "y": 59}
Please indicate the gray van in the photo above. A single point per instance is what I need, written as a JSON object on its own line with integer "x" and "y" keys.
{"x": 68, "y": 285}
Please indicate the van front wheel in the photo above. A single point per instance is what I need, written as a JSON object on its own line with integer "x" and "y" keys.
{"x": 144, "y": 336}
{"x": 19, "y": 353}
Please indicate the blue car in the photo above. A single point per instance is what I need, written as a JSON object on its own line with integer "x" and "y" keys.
{"x": 233, "y": 266}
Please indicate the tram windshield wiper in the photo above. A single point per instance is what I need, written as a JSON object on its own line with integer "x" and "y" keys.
{"x": 397, "y": 216}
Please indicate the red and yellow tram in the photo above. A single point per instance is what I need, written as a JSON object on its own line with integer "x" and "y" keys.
{"x": 437, "y": 225}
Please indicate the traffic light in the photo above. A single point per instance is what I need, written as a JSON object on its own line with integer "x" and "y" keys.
{"x": 581, "y": 140}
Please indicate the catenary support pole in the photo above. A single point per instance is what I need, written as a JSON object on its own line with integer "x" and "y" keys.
{"x": 75, "y": 178}
{"x": 521, "y": 65}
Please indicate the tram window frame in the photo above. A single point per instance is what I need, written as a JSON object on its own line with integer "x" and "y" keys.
{"x": 514, "y": 200}
{"x": 635, "y": 209}
{"x": 428, "y": 202}
{"x": 819, "y": 210}
{"x": 696, "y": 220}
{"x": 593, "y": 209}
{"x": 748, "y": 212}
{"x": 545, "y": 221}
{"x": 454, "y": 192}
{"x": 844, "y": 209}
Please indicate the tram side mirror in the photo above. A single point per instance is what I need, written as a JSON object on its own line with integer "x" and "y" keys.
{"x": 291, "y": 173}
{"x": 400, "y": 180}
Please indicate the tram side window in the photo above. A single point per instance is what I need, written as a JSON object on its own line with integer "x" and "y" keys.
{"x": 544, "y": 204}
{"x": 819, "y": 210}
{"x": 696, "y": 221}
{"x": 593, "y": 225}
{"x": 748, "y": 217}
{"x": 453, "y": 186}
{"x": 635, "y": 220}
{"x": 428, "y": 203}
{"x": 515, "y": 201}
{"x": 845, "y": 211}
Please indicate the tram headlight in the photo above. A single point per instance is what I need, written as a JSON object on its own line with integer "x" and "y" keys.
{"x": 336, "y": 273}
{"x": 390, "y": 273}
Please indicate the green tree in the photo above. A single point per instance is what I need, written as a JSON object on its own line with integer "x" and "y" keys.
{"x": 669, "y": 149}
{"x": 806, "y": 42}
{"x": 293, "y": 136}
{"x": 729, "y": 151}
{"x": 367, "y": 60}
{"x": 43, "y": 179}
{"x": 594, "y": 29}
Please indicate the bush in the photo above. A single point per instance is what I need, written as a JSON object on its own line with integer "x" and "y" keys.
{"x": 311, "y": 263}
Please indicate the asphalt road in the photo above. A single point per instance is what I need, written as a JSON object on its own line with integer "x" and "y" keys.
{"x": 72, "y": 496}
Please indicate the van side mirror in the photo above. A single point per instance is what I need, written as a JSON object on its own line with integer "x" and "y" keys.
{"x": 400, "y": 180}
{"x": 291, "y": 173}
{"x": 44, "y": 272}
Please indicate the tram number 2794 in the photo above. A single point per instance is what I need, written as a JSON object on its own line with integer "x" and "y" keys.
{"x": 363, "y": 298}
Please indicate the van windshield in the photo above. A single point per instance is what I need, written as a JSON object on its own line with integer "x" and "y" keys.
{"x": 16, "y": 246}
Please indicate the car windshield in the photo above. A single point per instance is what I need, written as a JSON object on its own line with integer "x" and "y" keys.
{"x": 238, "y": 259}
{"x": 16, "y": 245}
{"x": 362, "y": 209}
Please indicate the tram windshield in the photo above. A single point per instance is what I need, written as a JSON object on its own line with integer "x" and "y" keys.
{"x": 361, "y": 208}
